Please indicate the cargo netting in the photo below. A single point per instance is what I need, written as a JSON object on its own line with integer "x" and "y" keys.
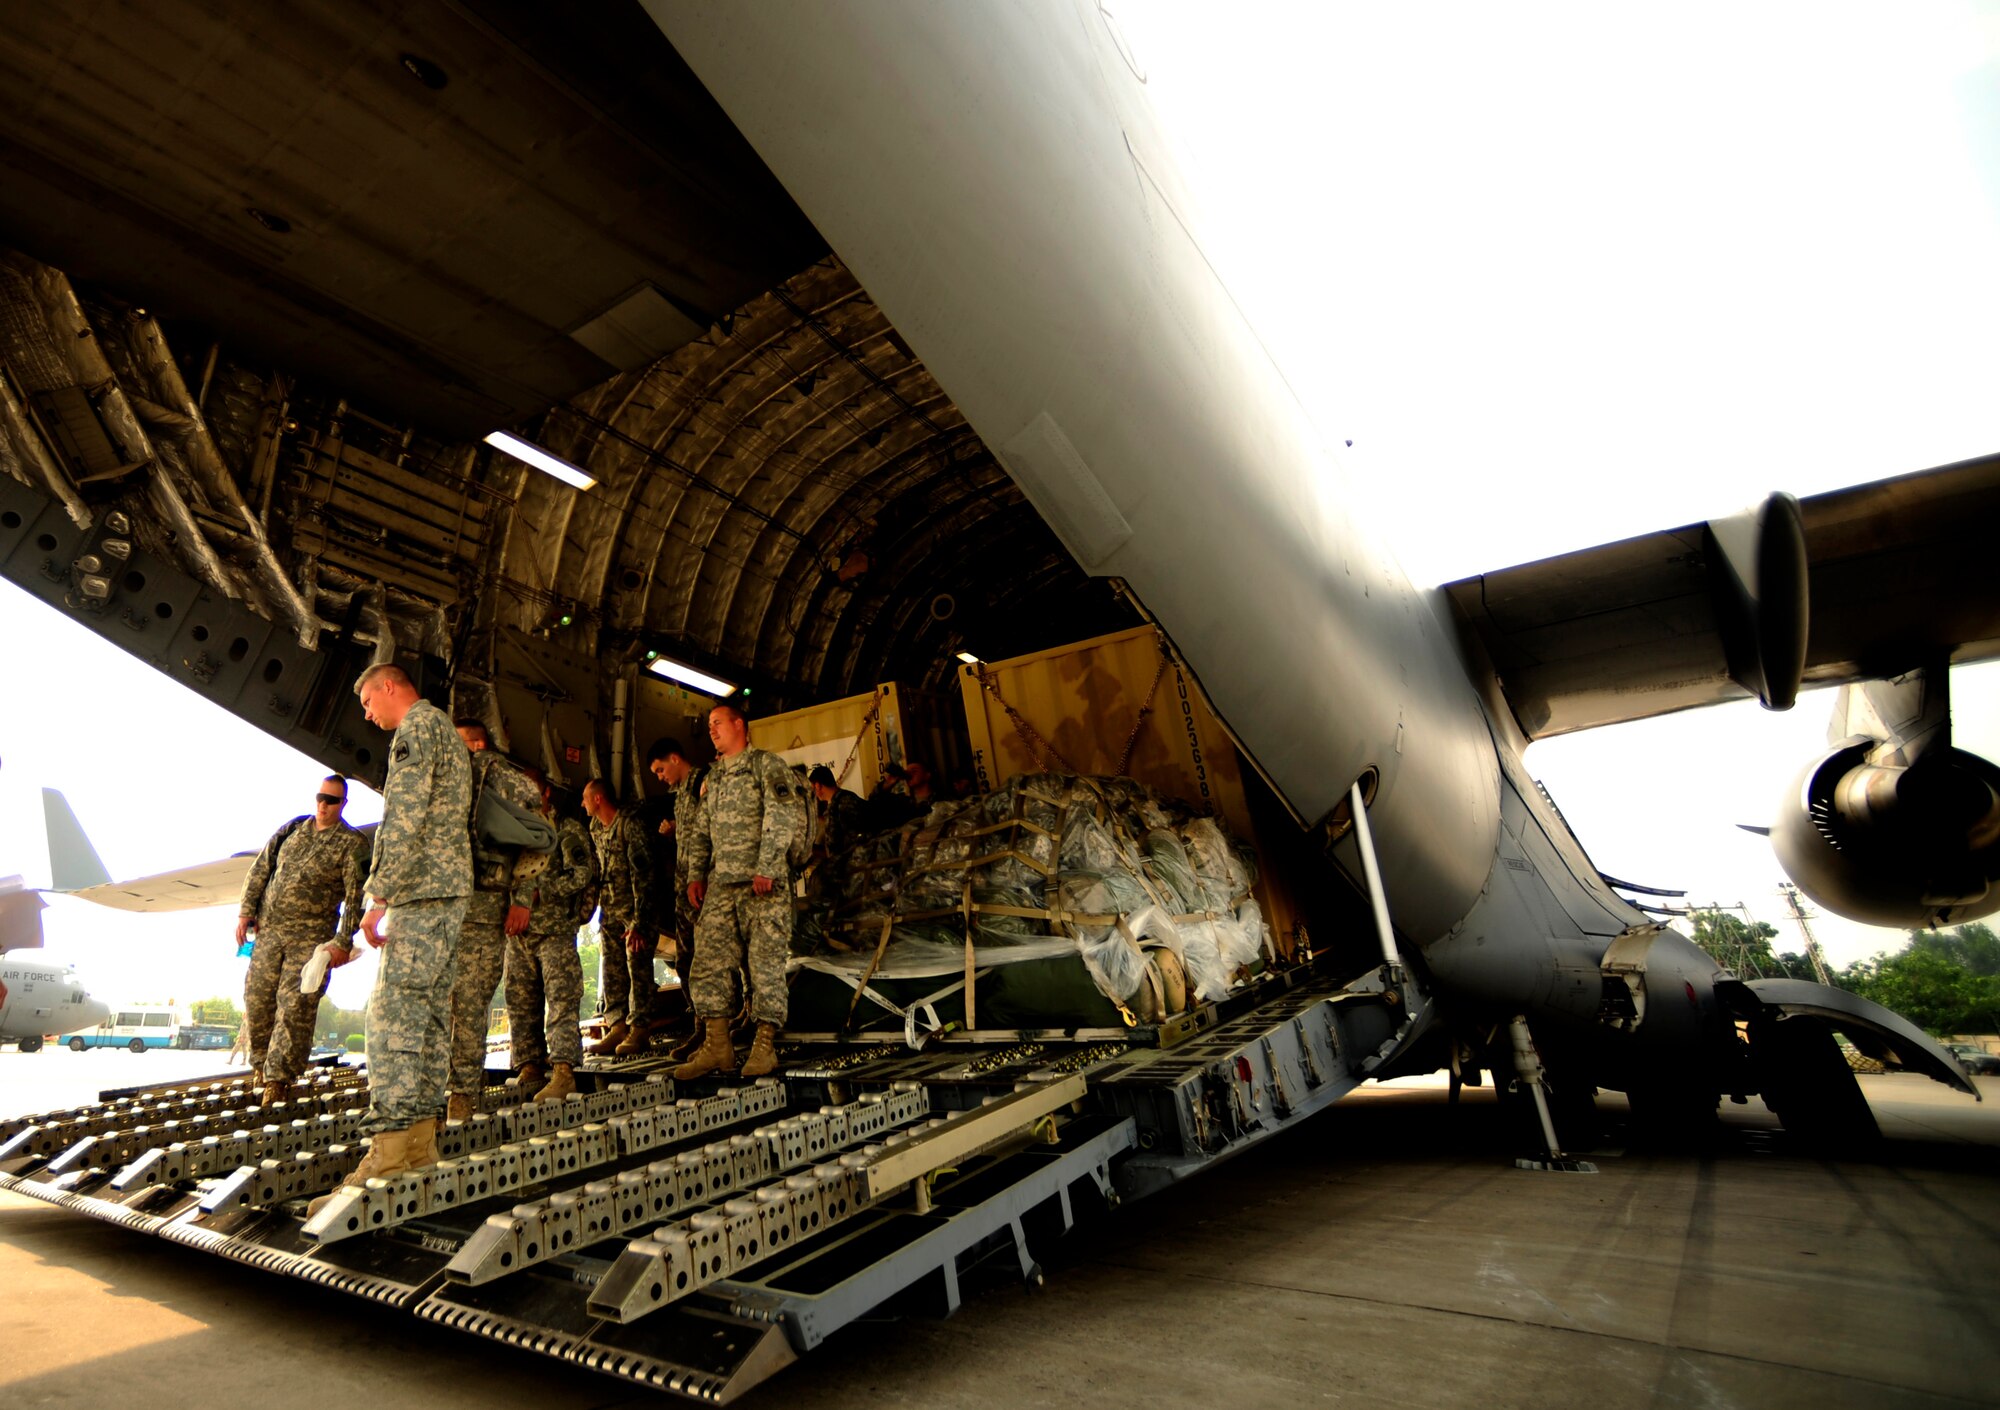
{"x": 1153, "y": 898}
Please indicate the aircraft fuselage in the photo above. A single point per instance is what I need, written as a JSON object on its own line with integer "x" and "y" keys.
{"x": 40, "y": 998}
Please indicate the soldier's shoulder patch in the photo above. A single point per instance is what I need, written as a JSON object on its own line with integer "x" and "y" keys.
{"x": 402, "y": 752}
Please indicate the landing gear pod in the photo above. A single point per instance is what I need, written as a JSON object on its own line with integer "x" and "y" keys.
{"x": 1797, "y": 1063}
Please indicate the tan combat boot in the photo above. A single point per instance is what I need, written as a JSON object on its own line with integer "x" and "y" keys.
{"x": 531, "y": 1077}
{"x": 388, "y": 1154}
{"x": 716, "y": 1055}
{"x": 689, "y": 1043}
{"x": 636, "y": 1042}
{"x": 763, "y": 1059}
{"x": 613, "y": 1036}
{"x": 459, "y": 1106}
{"x": 423, "y": 1146}
{"x": 561, "y": 1083}
{"x": 275, "y": 1092}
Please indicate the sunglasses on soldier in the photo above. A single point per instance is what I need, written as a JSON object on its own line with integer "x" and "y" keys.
{"x": 330, "y": 799}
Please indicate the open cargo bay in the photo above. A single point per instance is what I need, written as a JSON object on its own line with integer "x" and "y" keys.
{"x": 699, "y": 1240}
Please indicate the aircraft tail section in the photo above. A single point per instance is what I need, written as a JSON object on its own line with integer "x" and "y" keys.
{"x": 73, "y": 862}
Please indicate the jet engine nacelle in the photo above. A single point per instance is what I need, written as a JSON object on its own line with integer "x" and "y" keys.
{"x": 1894, "y": 846}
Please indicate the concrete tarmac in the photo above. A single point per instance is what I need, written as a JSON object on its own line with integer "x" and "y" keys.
{"x": 1387, "y": 1254}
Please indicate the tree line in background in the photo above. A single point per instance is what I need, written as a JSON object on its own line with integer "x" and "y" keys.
{"x": 1945, "y": 981}
{"x": 343, "y": 1028}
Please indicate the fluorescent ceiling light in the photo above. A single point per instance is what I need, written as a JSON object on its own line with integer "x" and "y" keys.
{"x": 534, "y": 455}
{"x": 969, "y": 658}
{"x": 688, "y": 675}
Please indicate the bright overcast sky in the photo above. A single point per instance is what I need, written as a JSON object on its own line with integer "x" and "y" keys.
{"x": 1563, "y": 274}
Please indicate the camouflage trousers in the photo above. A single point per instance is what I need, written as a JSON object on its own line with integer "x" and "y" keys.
{"x": 482, "y": 952}
{"x": 544, "y": 986}
{"x": 278, "y": 1018}
{"x": 628, "y": 978}
{"x": 409, "y": 1014}
{"x": 736, "y": 923}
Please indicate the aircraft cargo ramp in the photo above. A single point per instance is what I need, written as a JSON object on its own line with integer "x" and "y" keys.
{"x": 697, "y": 1240}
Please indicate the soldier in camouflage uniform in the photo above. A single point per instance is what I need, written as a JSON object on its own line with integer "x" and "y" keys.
{"x": 303, "y": 891}
{"x": 837, "y": 818}
{"x": 489, "y": 920}
{"x": 544, "y": 977}
{"x": 750, "y": 834}
{"x": 669, "y": 763}
{"x": 623, "y": 869}
{"x": 417, "y": 891}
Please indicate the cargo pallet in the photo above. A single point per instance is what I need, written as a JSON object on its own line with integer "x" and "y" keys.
{"x": 698, "y": 1241}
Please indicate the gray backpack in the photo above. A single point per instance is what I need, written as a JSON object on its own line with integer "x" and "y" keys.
{"x": 503, "y": 824}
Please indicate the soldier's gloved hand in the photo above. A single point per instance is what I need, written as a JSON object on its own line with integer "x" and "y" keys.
{"x": 517, "y": 920}
{"x": 371, "y": 927}
{"x": 242, "y": 929}
{"x": 697, "y": 890}
{"x": 634, "y": 941}
{"x": 338, "y": 954}
{"x": 761, "y": 885}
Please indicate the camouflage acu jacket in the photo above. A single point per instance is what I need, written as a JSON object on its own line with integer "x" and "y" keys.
{"x": 751, "y": 812}
{"x": 840, "y": 824}
{"x": 423, "y": 849}
{"x": 623, "y": 866}
{"x": 555, "y": 901}
{"x": 308, "y": 881}
{"x": 687, "y": 817}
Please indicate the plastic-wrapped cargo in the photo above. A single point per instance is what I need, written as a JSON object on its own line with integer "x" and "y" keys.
{"x": 1150, "y": 899}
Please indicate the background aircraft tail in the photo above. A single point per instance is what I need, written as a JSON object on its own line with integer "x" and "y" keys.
{"x": 73, "y": 865}
{"x": 73, "y": 862}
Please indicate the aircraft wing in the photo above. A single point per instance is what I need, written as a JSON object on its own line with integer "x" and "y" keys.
{"x": 218, "y": 883}
{"x": 1896, "y": 576}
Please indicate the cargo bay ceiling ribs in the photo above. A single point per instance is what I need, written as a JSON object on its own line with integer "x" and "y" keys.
{"x": 793, "y": 500}
{"x": 318, "y": 252}
{"x": 790, "y": 500}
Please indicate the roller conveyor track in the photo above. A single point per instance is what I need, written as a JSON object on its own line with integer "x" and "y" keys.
{"x": 190, "y": 1110}
{"x": 698, "y": 1242}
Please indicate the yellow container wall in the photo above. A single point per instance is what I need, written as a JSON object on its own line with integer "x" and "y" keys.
{"x": 911, "y": 724}
{"x": 832, "y": 733}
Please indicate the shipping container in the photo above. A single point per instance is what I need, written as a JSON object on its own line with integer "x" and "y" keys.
{"x": 858, "y": 736}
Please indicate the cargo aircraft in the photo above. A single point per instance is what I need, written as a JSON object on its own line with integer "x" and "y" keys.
{"x": 40, "y": 998}
{"x": 831, "y": 339}
{"x": 44, "y": 998}
{"x": 1046, "y": 278}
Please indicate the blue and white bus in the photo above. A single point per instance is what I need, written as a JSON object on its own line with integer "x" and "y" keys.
{"x": 136, "y": 1029}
